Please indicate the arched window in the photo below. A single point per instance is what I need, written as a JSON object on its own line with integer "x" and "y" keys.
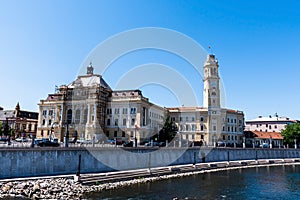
{"x": 69, "y": 116}
{"x": 85, "y": 115}
{"x": 77, "y": 116}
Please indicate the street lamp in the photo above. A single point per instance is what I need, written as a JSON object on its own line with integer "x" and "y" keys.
{"x": 295, "y": 140}
{"x": 214, "y": 140}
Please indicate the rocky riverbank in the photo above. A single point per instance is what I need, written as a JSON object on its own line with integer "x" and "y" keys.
{"x": 67, "y": 188}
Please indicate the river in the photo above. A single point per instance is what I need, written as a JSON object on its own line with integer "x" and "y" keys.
{"x": 274, "y": 182}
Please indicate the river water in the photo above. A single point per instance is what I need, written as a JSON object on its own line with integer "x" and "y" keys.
{"x": 275, "y": 182}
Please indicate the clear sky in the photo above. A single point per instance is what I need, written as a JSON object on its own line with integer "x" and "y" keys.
{"x": 257, "y": 43}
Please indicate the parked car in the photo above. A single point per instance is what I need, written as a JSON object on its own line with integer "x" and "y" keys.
{"x": 264, "y": 145}
{"x": 221, "y": 144}
{"x": 21, "y": 139}
{"x": 48, "y": 143}
{"x": 3, "y": 139}
{"x": 128, "y": 144}
{"x": 84, "y": 141}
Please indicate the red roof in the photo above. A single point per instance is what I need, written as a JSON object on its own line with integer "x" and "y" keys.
{"x": 268, "y": 135}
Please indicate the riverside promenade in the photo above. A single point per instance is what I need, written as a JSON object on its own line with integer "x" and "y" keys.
{"x": 28, "y": 162}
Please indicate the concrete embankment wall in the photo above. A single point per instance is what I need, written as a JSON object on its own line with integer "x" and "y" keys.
{"x": 48, "y": 161}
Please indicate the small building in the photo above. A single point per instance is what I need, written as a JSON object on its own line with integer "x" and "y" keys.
{"x": 259, "y": 138}
{"x": 21, "y": 122}
{"x": 268, "y": 124}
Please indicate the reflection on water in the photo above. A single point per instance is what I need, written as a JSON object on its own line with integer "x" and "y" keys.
{"x": 281, "y": 182}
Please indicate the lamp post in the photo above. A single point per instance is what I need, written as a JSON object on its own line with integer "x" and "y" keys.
{"x": 244, "y": 142}
{"x": 214, "y": 140}
{"x": 67, "y": 135}
{"x": 135, "y": 139}
{"x": 295, "y": 141}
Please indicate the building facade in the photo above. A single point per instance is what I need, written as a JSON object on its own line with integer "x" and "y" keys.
{"x": 88, "y": 108}
{"x": 209, "y": 123}
{"x": 21, "y": 123}
{"x": 268, "y": 124}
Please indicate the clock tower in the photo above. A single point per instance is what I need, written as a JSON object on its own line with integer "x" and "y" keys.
{"x": 211, "y": 93}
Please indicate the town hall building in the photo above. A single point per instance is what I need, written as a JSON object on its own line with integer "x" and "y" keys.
{"x": 88, "y": 108}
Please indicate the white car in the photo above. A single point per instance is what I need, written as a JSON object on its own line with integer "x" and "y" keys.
{"x": 22, "y": 139}
{"x": 264, "y": 145}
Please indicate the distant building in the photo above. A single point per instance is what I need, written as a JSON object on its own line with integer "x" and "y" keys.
{"x": 259, "y": 138}
{"x": 209, "y": 123}
{"x": 21, "y": 122}
{"x": 268, "y": 124}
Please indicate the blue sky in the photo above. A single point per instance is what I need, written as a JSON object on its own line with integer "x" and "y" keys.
{"x": 44, "y": 43}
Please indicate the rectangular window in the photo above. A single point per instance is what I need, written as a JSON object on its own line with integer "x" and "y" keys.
{"x": 124, "y": 122}
{"x": 223, "y": 137}
{"x": 186, "y": 127}
{"x": 228, "y": 137}
{"x": 201, "y": 119}
{"x": 180, "y": 118}
{"x": 186, "y": 119}
{"x": 193, "y": 136}
{"x": 116, "y": 122}
{"x": 202, "y": 128}
{"x": 132, "y": 110}
{"x": 202, "y": 137}
{"x": 115, "y": 133}
{"x": 193, "y": 119}
{"x": 123, "y": 133}
{"x": 124, "y": 110}
{"x": 214, "y": 128}
{"x": 173, "y": 119}
{"x": 44, "y": 112}
{"x": 44, "y": 122}
{"x": 193, "y": 127}
{"x": 50, "y": 121}
{"x": 107, "y": 134}
{"x": 50, "y": 112}
{"x": 132, "y": 122}
{"x": 108, "y": 122}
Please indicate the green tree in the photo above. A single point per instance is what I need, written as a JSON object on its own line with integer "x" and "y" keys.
{"x": 290, "y": 133}
{"x": 168, "y": 131}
